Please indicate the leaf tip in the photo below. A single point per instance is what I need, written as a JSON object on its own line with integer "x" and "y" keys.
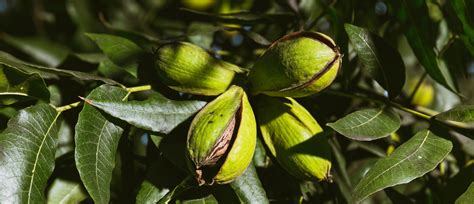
{"x": 86, "y": 100}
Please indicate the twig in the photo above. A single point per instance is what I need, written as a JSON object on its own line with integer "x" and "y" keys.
{"x": 67, "y": 107}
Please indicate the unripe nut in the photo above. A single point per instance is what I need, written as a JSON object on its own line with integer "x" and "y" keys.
{"x": 296, "y": 65}
{"x": 188, "y": 68}
{"x": 294, "y": 138}
{"x": 222, "y": 138}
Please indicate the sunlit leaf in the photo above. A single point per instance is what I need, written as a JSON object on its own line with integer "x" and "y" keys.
{"x": 249, "y": 188}
{"x": 65, "y": 192}
{"x": 157, "y": 113}
{"x": 27, "y": 149}
{"x": 96, "y": 141}
{"x": 462, "y": 114}
{"x": 368, "y": 124}
{"x": 416, "y": 157}
{"x": 382, "y": 62}
{"x": 467, "y": 197}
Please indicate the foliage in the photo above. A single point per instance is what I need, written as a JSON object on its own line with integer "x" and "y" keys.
{"x": 85, "y": 118}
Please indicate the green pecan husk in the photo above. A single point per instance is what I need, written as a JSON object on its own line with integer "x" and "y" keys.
{"x": 296, "y": 65}
{"x": 222, "y": 138}
{"x": 294, "y": 138}
{"x": 188, "y": 68}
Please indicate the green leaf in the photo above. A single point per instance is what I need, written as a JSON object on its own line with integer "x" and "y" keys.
{"x": 467, "y": 197}
{"x": 41, "y": 49}
{"x": 48, "y": 72}
{"x": 416, "y": 157}
{"x": 15, "y": 83}
{"x": 249, "y": 188}
{"x": 149, "y": 193}
{"x": 461, "y": 9}
{"x": 64, "y": 191}
{"x": 420, "y": 33}
{"x": 256, "y": 37}
{"x": 462, "y": 114}
{"x": 260, "y": 157}
{"x": 96, "y": 141}
{"x": 120, "y": 51}
{"x": 242, "y": 18}
{"x": 202, "y": 34}
{"x": 368, "y": 124}
{"x": 27, "y": 153}
{"x": 157, "y": 113}
{"x": 382, "y": 62}
{"x": 82, "y": 13}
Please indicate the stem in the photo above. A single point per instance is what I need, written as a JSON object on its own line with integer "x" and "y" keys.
{"x": 69, "y": 106}
{"x": 138, "y": 88}
{"x": 388, "y": 103}
{"x": 408, "y": 110}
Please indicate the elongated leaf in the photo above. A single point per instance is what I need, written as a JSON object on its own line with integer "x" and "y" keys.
{"x": 157, "y": 113}
{"x": 41, "y": 49}
{"x": 420, "y": 35}
{"x": 82, "y": 13}
{"x": 368, "y": 124}
{"x": 419, "y": 155}
{"x": 66, "y": 192}
{"x": 120, "y": 51}
{"x": 96, "y": 141}
{"x": 467, "y": 197}
{"x": 462, "y": 114}
{"x": 48, "y": 72}
{"x": 382, "y": 62}
{"x": 462, "y": 9}
{"x": 243, "y": 18}
{"x": 249, "y": 188}
{"x": 14, "y": 83}
{"x": 27, "y": 149}
{"x": 149, "y": 193}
